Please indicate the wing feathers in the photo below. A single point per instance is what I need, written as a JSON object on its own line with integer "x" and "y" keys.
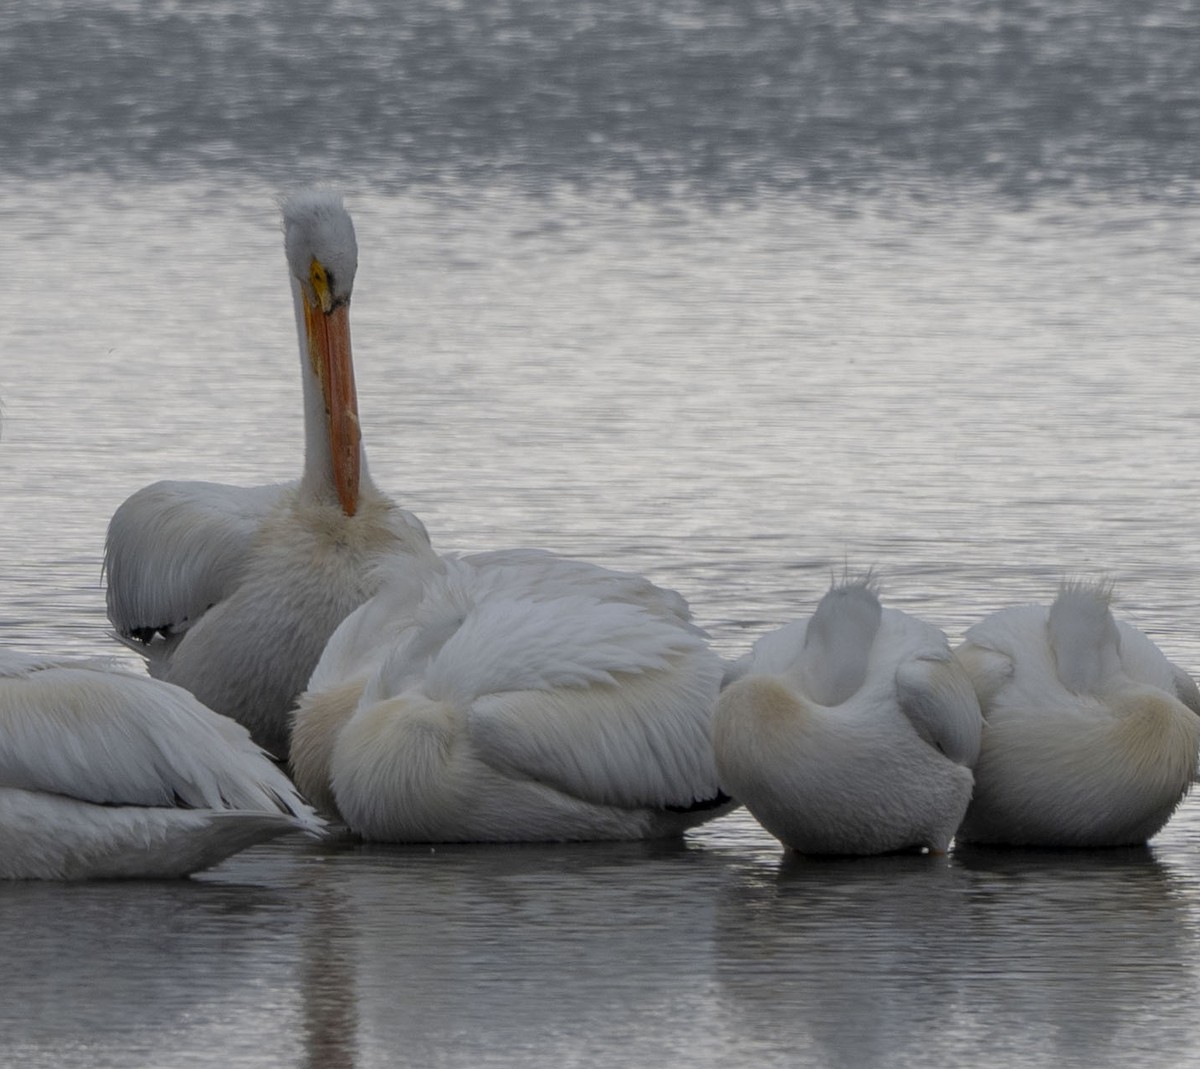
{"x": 114, "y": 738}
{"x": 176, "y": 548}
{"x": 936, "y": 695}
{"x": 646, "y": 742}
{"x": 564, "y": 681}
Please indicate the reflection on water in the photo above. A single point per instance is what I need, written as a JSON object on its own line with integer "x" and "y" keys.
{"x": 862, "y": 956}
{"x": 1114, "y": 976}
{"x": 714, "y": 952}
{"x": 731, "y": 295}
{"x": 530, "y": 951}
{"x": 81, "y": 988}
{"x": 329, "y": 985}
{"x": 1045, "y": 958}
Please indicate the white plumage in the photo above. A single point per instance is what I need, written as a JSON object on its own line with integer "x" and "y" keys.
{"x": 108, "y": 774}
{"x": 232, "y": 592}
{"x": 851, "y": 732}
{"x": 525, "y": 697}
{"x": 542, "y": 698}
{"x": 1091, "y": 734}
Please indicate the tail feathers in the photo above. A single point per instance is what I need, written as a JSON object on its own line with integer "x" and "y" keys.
{"x": 51, "y": 837}
{"x": 171, "y": 848}
{"x": 229, "y": 832}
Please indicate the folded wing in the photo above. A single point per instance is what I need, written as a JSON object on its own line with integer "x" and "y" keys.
{"x": 100, "y": 735}
{"x": 174, "y": 549}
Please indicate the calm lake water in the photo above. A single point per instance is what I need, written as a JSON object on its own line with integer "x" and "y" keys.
{"x": 736, "y": 295}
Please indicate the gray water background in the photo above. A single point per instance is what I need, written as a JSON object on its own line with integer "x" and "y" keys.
{"x": 733, "y": 295}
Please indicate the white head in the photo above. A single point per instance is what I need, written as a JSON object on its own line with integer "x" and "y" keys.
{"x": 319, "y": 240}
{"x": 322, "y": 255}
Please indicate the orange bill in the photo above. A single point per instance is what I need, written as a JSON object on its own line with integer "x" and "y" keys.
{"x": 329, "y": 337}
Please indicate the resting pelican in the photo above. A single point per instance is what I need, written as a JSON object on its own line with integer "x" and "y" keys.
{"x": 1086, "y": 740}
{"x": 851, "y": 732}
{"x": 108, "y": 774}
{"x": 526, "y": 698}
{"x": 232, "y": 592}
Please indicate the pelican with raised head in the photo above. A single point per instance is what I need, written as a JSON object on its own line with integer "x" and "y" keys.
{"x": 232, "y": 592}
{"x": 106, "y": 774}
{"x": 852, "y": 731}
{"x": 1090, "y": 734}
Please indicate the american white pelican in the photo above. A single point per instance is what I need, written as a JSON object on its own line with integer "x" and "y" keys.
{"x": 851, "y": 732}
{"x": 1086, "y": 739}
{"x": 527, "y": 698}
{"x": 232, "y": 592}
{"x": 108, "y": 774}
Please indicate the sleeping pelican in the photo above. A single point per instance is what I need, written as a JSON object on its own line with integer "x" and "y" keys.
{"x": 232, "y": 592}
{"x": 108, "y": 774}
{"x": 525, "y": 698}
{"x": 1090, "y": 735}
{"x": 851, "y": 732}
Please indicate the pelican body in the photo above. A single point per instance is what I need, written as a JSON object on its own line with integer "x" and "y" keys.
{"x": 513, "y": 696}
{"x": 1091, "y": 734}
{"x": 105, "y": 774}
{"x": 851, "y": 732}
{"x": 232, "y": 592}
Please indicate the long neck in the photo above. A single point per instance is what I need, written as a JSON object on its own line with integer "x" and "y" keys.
{"x": 317, "y": 481}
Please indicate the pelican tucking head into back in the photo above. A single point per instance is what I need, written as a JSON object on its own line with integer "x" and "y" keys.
{"x": 1091, "y": 734}
{"x": 852, "y": 731}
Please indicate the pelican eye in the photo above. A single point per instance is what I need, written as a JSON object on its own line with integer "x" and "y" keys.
{"x": 322, "y": 283}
